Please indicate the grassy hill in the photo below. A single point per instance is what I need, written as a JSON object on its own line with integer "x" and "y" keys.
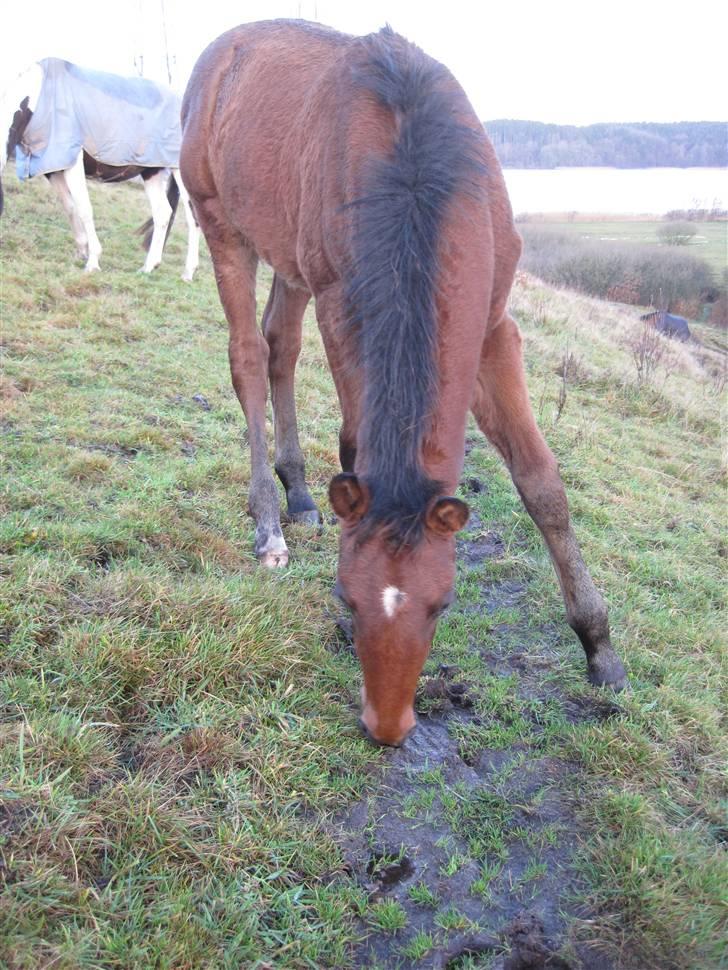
{"x": 182, "y": 780}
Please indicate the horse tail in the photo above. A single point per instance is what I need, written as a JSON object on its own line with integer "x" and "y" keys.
{"x": 391, "y": 292}
{"x": 147, "y": 230}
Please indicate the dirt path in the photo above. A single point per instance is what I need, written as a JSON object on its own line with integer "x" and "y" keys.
{"x": 468, "y": 848}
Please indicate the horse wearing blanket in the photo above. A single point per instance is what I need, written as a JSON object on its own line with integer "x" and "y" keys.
{"x": 357, "y": 169}
{"x": 69, "y": 123}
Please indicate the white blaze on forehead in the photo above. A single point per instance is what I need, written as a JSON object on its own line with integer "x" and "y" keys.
{"x": 392, "y": 600}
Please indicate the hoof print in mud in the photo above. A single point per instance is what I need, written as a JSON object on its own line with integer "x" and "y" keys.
{"x": 530, "y": 948}
{"x": 440, "y": 694}
{"x": 465, "y": 950}
{"x": 387, "y": 869}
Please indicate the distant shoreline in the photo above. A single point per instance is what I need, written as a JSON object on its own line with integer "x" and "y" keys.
{"x": 682, "y": 144}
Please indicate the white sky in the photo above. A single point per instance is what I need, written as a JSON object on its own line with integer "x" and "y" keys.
{"x": 562, "y": 61}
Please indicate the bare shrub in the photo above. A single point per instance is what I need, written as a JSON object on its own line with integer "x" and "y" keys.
{"x": 572, "y": 368}
{"x": 647, "y": 347}
{"x": 626, "y": 291}
{"x": 676, "y": 233}
{"x": 572, "y": 372}
{"x": 627, "y": 273}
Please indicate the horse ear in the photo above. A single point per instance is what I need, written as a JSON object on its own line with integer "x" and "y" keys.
{"x": 349, "y": 497}
{"x": 446, "y": 515}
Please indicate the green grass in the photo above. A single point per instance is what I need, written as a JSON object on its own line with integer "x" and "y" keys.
{"x": 387, "y": 915}
{"x": 423, "y": 895}
{"x": 177, "y": 731}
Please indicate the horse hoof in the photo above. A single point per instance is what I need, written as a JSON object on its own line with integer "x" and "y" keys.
{"x": 307, "y": 517}
{"x": 274, "y": 560}
{"x": 274, "y": 554}
{"x": 608, "y": 671}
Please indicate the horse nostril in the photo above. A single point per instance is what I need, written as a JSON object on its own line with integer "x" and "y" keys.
{"x": 383, "y": 744}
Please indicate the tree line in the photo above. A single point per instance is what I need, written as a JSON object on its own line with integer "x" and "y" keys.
{"x": 683, "y": 144}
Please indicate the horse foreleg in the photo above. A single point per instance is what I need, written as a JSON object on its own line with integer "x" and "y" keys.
{"x": 155, "y": 187}
{"x": 235, "y": 267}
{"x": 193, "y": 230}
{"x": 282, "y": 326}
{"x": 58, "y": 181}
{"x": 75, "y": 198}
{"x": 503, "y": 412}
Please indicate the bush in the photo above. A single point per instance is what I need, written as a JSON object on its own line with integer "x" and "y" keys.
{"x": 676, "y": 233}
{"x": 641, "y": 275}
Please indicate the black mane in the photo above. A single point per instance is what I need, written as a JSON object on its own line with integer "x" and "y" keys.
{"x": 392, "y": 289}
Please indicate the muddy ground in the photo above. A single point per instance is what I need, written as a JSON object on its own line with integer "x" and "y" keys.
{"x": 476, "y": 844}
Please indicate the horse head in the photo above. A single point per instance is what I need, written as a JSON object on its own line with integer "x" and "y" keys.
{"x": 395, "y": 594}
{"x": 16, "y": 109}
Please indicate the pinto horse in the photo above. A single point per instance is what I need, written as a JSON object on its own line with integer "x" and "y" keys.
{"x": 70, "y": 124}
{"x": 356, "y": 167}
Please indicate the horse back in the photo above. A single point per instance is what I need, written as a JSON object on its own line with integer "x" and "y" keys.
{"x": 282, "y": 135}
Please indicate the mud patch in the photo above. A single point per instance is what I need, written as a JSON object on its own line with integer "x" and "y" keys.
{"x": 472, "y": 830}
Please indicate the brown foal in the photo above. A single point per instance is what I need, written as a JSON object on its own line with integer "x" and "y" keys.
{"x": 358, "y": 170}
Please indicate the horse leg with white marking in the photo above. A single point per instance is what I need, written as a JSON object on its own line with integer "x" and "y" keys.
{"x": 58, "y": 181}
{"x": 193, "y": 230}
{"x": 235, "y": 271}
{"x": 73, "y": 193}
{"x": 282, "y": 328}
{"x": 155, "y": 187}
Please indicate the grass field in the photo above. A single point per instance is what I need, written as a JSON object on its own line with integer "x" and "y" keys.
{"x": 709, "y": 243}
{"x": 183, "y": 782}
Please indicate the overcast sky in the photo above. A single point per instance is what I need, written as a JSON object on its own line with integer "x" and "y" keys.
{"x": 563, "y": 61}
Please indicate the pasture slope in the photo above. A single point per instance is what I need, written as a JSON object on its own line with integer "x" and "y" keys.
{"x": 183, "y": 782}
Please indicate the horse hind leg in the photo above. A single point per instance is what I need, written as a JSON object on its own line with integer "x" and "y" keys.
{"x": 503, "y": 412}
{"x": 155, "y": 187}
{"x": 193, "y": 230}
{"x": 282, "y": 327}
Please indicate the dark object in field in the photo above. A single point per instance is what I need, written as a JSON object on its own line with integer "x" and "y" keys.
{"x": 356, "y": 167}
{"x": 70, "y": 123}
{"x": 668, "y": 323}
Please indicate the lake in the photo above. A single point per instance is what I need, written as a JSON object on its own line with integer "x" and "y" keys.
{"x": 616, "y": 190}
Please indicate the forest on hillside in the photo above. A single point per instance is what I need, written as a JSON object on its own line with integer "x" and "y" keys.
{"x": 532, "y": 144}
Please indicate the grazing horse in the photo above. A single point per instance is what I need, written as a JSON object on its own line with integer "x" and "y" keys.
{"x": 356, "y": 167}
{"x": 69, "y": 124}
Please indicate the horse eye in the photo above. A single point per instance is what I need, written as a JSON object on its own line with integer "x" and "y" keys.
{"x": 445, "y": 605}
{"x": 339, "y": 594}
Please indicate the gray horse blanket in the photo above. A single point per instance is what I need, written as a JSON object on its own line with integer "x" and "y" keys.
{"x": 117, "y": 120}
